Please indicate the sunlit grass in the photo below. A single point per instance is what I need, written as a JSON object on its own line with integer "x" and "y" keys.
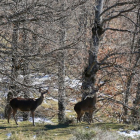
{"x": 54, "y": 131}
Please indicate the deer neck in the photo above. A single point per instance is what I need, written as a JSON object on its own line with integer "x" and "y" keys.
{"x": 39, "y": 100}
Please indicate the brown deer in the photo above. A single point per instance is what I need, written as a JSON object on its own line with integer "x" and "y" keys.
{"x": 23, "y": 104}
{"x": 87, "y": 105}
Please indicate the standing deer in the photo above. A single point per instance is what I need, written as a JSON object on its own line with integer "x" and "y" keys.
{"x": 23, "y": 104}
{"x": 87, "y": 105}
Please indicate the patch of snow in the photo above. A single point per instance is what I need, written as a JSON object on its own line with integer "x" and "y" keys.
{"x": 72, "y": 83}
{"x": 102, "y": 82}
{"x": 8, "y": 135}
{"x": 46, "y": 77}
{"x": 132, "y": 134}
{"x": 55, "y": 89}
{"x": 38, "y": 80}
{"x": 45, "y": 102}
{"x": 40, "y": 120}
{"x": 68, "y": 111}
{"x": 45, "y": 88}
{"x": 51, "y": 98}
{"x": 36, "y": 83}
{"x": 73, "y": 100}
{"x": 34, "y": 137}
{"x": 36, "y": 119}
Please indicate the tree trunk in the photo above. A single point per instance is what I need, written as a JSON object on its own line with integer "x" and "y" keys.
{"x": 25, "y": 71}
{"x": 14, "y": 72}
{"x": 61, "y": 89}
{"x": 61, "y": 72}
{"x": 127, "y": 93}
{"x": 89, "y": 74}
{"x": 90, "y": 71}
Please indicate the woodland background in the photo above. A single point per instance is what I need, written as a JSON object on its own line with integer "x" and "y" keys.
{"x": 50, "y": 44}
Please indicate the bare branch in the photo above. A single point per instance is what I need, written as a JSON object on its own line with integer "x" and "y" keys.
{"x": 118, "y": 4}
{"x": 120, "y": 30}
{"x": 117, "y": 15}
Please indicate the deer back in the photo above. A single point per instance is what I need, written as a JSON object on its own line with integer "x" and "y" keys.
{"x": 85, "y": 105}
{"x": 23, "y": 104}
{"x": 29, "y": 104}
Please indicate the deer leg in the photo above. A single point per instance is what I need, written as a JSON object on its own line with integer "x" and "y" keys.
{"x": 8, "y": 117}
{"x": 77, "y": 117}
{"x": 32, "y": 112}
{"x": 80, "y": 116}
{"x": 90, "y": 116}
{"x": 14, "y": 112}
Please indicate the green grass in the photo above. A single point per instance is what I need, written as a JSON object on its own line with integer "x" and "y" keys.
{"x": 41, "y": 131}
{"x": 51, "y": 131}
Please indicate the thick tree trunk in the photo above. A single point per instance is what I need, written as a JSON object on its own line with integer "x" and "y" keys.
{"x": 89, "y": 74}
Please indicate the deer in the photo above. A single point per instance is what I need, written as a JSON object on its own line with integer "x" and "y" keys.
{"x": 86, "y": 105}
{"x": 23, "y": 104}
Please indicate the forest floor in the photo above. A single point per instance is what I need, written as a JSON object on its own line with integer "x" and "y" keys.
{"x": 104, "y": 128}
{"x": 43, "y": 131}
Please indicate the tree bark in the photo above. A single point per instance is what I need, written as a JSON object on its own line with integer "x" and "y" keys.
{"x": 61, "y": 89}
{"x": 25, "y": 71}
{"x": 61, "y": 72}
{"x": 89, "y": 74}
{"x": 14, "y": 72}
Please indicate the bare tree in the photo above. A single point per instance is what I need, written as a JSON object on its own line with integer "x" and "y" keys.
{"x": 104, "y": 14}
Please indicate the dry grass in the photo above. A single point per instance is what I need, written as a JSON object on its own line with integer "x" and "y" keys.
{"x": 96, "y": 133}
{"x": 70, "y": 131}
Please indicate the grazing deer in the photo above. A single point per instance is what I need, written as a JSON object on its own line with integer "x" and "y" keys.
{"x": 87, "y": 105}
{"x": 26, "y": 105}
